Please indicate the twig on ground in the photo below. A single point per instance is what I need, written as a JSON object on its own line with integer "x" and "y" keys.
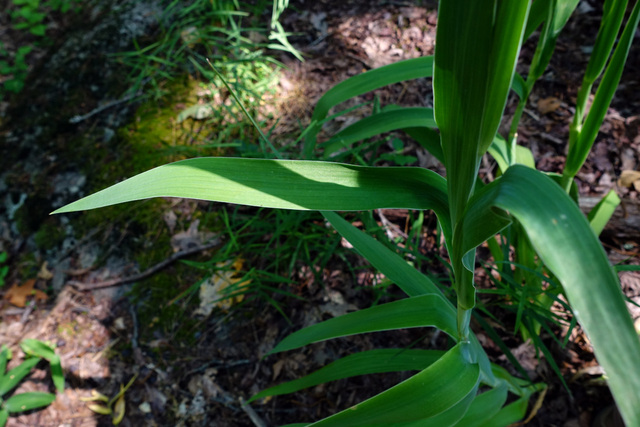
{"x": 148, "y": 272}
{"x": 255, "y": 418}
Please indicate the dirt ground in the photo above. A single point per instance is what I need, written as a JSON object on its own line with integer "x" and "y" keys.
{"x": 202, "y": 378}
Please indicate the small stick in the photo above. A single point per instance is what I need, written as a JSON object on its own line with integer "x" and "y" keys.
{"x": 255, "y": 418}
{"x": 148, "y": 272}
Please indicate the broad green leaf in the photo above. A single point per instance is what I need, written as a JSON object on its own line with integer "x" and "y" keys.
{"x": 601, "y": 213}
{"x": 385, "y": 121}
{"x": 14, "y": 376}
{"x": 27, "y": 401}
{"x": 581, "y": 146}
{"x": 426, "y": 394}
{"x": 362, "y": 83}
{"x": 283, "y": 184}
{"x": 423, "y": 310}
{"x": 565, "y": 242}
{"x": 366, "y": 362}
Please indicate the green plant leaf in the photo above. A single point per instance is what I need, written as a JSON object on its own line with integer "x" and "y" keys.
{"x": 499, "y": 151}
{"x": 450, "y": 417}
{"x": 411, "y": 281}
{"x": 283, "y": 184}
{"x": 423, "y": 310}
{"x": 396, "y": 269}
{"x": 366, "y": 362}
{"x": 602, "y": 212}
{"x": 612, "y": 16}
{"x": 40, "y": 349}
{"x": 386, "y": 121}
{"x": 565, "y": 242}
{"x": 580, "y": 146}
{"x": 510, "y": 414}
{"x": 56, "y": 373}
{"x": 476, "y": 53}
{"x": 426, "y": 394}
{"x": 14, "y": 376}
{"x": 27, "y": 401}
{"x": 484, "y": 407}
{"x": 4, "y": 416}
{"x": 362, "y": 83}
{"x": 37, "y": 348}
{"x": 5, "y": 355}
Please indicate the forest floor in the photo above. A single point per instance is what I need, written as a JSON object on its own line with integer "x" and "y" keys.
{"x": 192, "y": 367}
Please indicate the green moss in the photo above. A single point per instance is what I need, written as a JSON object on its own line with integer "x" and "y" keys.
{"x": 49, "y": 235}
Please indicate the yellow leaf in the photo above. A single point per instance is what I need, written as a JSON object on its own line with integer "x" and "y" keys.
{"x": 118, "y": 410}
{"x": 99, "y": 409}
{"x": 628, "y": 178}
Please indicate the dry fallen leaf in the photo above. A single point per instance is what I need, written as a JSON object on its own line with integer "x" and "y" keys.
{"x": 221, "y": 282}
{"x": 549, "y": 105}
{"x": 629, "y": 178}
{"x": 45, "y": 273}
{"x": 17, "y": 295}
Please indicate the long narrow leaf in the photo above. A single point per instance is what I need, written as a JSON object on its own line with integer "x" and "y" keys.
{"x": 484, "y": 407}
{"x": 362, "y": 83}
{"x": 406, "y": 277}
{"x": 426, "y": 394}
{"x": 366, "y": 362}
{"x": 27, "y": 401}
{"x": 14, "y": 376}
{"x": 602, "y": 212}
{"x": 281, "y": 184}
{"x": 396, "y": 269}
{"x": 448, "y": 418}
{"x": 567, "y": 245}
{"x": 580, "y": 150}
{"x": 424, "y": 310}
{"x": 386, "y": 121}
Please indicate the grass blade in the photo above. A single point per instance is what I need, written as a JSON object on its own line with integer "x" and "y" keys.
{"x": 386, "y": 121}
{"x": 362, "y": 83}
{"x": 366, "y": 362}
{"x": 602, "y": 212}
{"x": 424, "y": 310}
{"x": 426, "y": 394}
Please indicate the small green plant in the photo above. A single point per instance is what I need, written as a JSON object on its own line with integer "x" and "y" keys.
{"x": 35, "y": 351}
{"x": 222, "y": 31}
{"x": 17, "y": 68}
{"x": 4, "y": 269}
{"x": 29, "y": 16}
{"x": 533, "y": 213}
{"x": 114, "y": 407}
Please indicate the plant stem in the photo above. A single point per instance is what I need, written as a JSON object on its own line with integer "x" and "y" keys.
{"x": 464, "y": 319}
